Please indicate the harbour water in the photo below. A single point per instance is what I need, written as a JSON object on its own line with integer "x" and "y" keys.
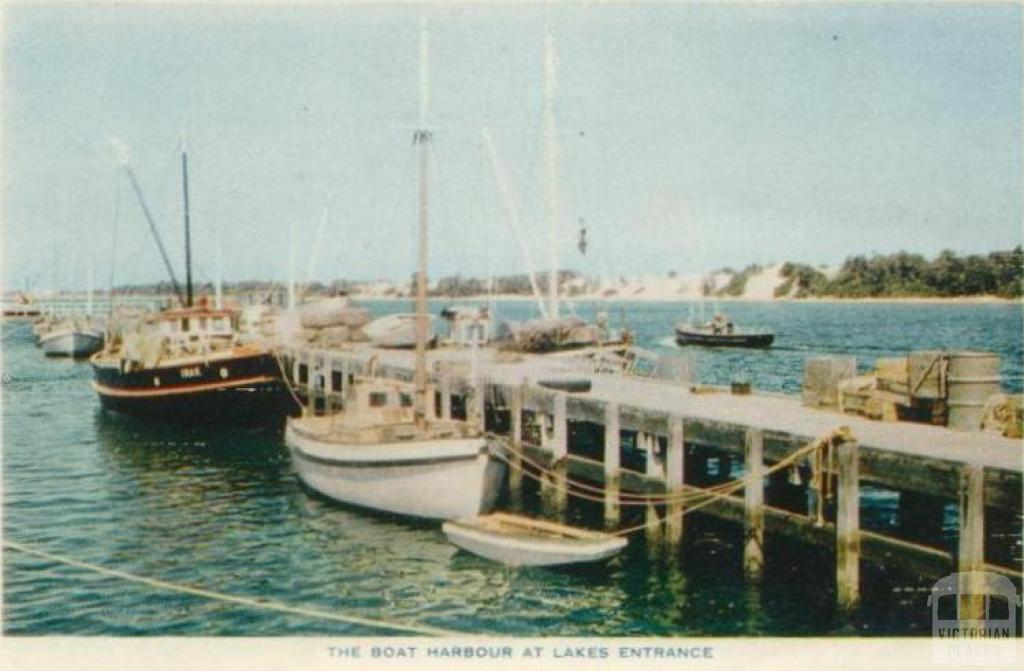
{"x": 222, "y": 510}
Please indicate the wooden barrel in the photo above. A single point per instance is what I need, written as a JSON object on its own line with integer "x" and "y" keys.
{"x": 971, "y": 379}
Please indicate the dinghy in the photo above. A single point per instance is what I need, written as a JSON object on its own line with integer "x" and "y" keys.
{"x": 522, "y": 541}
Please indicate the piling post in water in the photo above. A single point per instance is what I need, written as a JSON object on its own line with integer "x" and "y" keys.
{"x": 653, "y": 469}
{"x": 445, "y": 387}
{"x": 972, "y": 542}
{"x": 753, "y": 502}
{"x": 612, "y": 463}
{"x": 674, "y": 477}
{"x": 479, "y": 412}
{"x": 848, "y": 525}
{"x": 559, "y": 452}
{"x": 515, "y": 476}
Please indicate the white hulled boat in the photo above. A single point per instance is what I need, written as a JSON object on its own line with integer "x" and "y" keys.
{"x": 386, "y": 449}
{"x": 374, "y": 454}
{"x": 72, "y": 338}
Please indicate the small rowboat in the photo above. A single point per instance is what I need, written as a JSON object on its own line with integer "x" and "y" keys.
{"x": 522, "y": 541}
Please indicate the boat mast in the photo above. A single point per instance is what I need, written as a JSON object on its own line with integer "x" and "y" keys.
{"x": 152, "y": 228}
{"x": 421, "y": 137}
{"x": 551, "y": 155}
{"x": 188, "y": 240}
{"x": 219, "y": 288}
{"x": 291, "y": 264}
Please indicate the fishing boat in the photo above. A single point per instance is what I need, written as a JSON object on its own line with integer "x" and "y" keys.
{"x": 522, "y": 541}
{"x": 21, "y": 307}
{"x": 387, "y": 449}
{"x": 188, "y": 364}
{"x": 720, "y": 332}
{"x": 72, "y": 338}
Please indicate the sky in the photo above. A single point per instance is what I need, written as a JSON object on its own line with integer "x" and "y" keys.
{"x": 689, "y": 136}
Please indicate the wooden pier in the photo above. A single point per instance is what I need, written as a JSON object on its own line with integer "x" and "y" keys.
{"x": 680, "y": 428}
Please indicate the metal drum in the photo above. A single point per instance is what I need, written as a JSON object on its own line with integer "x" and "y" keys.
{"x": 971, "y": 379}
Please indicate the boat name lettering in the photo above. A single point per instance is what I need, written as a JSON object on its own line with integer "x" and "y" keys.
{"x": 190, "y": 372}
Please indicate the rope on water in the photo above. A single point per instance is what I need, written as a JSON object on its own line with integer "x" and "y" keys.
{"x": 423, "y": 630}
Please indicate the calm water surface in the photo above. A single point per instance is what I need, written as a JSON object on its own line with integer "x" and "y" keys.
{"x": 223, "y": 510}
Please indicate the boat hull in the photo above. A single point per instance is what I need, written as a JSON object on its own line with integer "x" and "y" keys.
{"x": 73, "y": 344}
{"x": 514, "y": 551}
{"x": 244, "y": 390}
{"x": 757, "y": 340}
{"x": 433, "y": 479}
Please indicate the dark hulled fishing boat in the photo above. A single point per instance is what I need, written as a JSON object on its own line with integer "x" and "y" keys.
{"x": 188, "y": 364}
{"x": 720, "y": 332}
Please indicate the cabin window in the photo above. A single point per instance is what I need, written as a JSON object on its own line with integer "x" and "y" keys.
{"x": 378, "y": 399}
{"x": 335, "y": 380}
{"x": 303, "y": 373}
{"x": 184, "y": 324}
{"x": 405, "y": 400}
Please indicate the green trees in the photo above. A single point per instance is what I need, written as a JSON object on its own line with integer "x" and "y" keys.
{"x": 902, "y": 274}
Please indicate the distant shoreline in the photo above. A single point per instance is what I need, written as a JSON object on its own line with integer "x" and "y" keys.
{"x": 650, "y": 298}
{"x": 633, "y": 298}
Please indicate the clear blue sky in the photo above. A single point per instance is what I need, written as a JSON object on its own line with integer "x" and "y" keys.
{"x": 692, "y": 136}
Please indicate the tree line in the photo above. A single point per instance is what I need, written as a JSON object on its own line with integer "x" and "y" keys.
{"x": 999, "y": 273}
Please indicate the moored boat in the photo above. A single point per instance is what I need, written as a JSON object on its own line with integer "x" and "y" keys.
{"x": 386, "y": 449}
{"x": 522, "y": 541}
{"x": 71, "y": 340}
{"x": 188, "y": 365}
{"x": 373, "y": 454}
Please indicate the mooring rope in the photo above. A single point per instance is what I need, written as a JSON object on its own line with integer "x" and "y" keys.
{"x": 285, "y": 380}
{"x": 421, "y": 629}
{"x": 691, "y": 501}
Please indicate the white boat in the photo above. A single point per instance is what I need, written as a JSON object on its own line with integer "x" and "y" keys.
{"x": 394, "y": 331}
{"x": 72, "y": 341}
{"x": 333, "y": 311}
{"x": 522, "y": 541}
{"x": 372, "y": 454}
{"x": 387, "y": 449}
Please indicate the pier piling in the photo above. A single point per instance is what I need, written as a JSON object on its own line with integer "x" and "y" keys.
{"x": 559, "y": 452}
{"x": 848, "y": 525}
{"x": 674, "y": 477}
{"x": 612, "y": 463}
{"x": 445, "y": 387}
{"x": 753, "y": 501}
{"x": 515, "y": 476}
{"x": 972, "y": 541}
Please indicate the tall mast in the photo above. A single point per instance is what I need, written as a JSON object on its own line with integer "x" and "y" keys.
{"x": 152, "y": 228}
{"x": 188, "y": 239}
{"x": 551, "y": 156}
{"x": 422, "y": 138}
{"x": 291, "y": 264}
